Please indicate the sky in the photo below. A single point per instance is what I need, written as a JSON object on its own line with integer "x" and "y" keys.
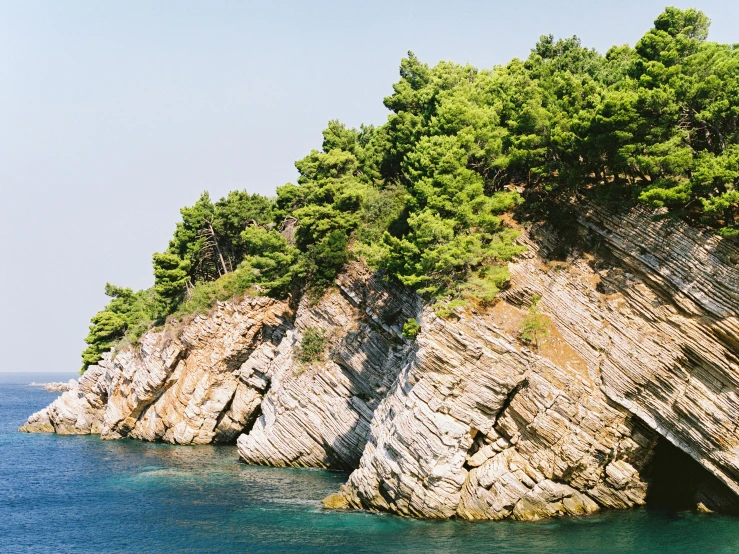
{"x": 114, "y": 115}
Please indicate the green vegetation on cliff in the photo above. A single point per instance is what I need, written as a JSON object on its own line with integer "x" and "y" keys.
{"x": 422, "y": 196}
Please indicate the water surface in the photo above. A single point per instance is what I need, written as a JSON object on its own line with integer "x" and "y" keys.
{"x": 81, "y": 494}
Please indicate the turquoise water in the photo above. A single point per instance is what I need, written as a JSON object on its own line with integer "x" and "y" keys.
{"x": 81, "y": 494}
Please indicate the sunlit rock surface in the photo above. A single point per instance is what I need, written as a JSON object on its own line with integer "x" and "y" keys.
{"x": 465, "y": 421}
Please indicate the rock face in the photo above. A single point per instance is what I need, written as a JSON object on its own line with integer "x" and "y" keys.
{"x": 213, "y": 378}
{"x": 657, "y": 327}
{"x": 483, "y": 429}
{"x": 77, "y": 411}
{"x": 318, "y": 414}
{"x": 648, "y": 334}
{"x": 183, "y": 385}
{"x": 641, "y": 367}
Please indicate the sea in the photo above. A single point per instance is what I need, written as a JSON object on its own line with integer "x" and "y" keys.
{"x": 61, "y": 494}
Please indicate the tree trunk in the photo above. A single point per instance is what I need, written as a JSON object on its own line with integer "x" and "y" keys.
{"x": 218, "y": 249}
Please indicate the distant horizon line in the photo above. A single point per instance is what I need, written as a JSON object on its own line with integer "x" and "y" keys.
{"x": 70, "y": 371}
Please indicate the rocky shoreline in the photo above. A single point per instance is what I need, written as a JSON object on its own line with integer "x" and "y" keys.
{"x": 641, "y": 368}
{"x": 56, "y": 386}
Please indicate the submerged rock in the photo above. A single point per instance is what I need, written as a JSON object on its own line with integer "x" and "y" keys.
{"x": 335, "y": 502}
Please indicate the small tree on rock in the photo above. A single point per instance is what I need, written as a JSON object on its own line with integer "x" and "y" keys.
{"x": 535, "y": 326}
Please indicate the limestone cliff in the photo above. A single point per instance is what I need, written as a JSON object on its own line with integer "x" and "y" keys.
{"x": 466, "y": 421}
{"x": 182, "y": 385}
{"x": 319, "y": 414}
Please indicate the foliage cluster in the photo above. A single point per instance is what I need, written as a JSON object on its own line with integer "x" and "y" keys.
{"x": 127, "y": 315}
{"x": 312, "y": 345}
{"x": 535, "y": 326}
{"x": 424, "y": 195}
{"x": 411, "y": 328}
{"x": 658, "y": 122}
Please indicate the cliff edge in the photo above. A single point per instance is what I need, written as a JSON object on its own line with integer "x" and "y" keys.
{"x": 640, "y": 370}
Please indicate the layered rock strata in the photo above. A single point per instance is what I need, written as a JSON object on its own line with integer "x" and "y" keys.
{"x": 655, "y": 317}
{"x": 182, "y": 385}
{"x": 317, "y": 414}
{"x": 466, "y": 421}
{"x": 238, "y": 369}
{"x": 79, "y": 411}
{"x": 648, "y": 329}
{"x": 482, "y": 428}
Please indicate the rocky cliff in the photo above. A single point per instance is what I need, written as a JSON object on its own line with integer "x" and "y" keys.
{"x": 638, "y": 375}
{"x": 181, "y": 385}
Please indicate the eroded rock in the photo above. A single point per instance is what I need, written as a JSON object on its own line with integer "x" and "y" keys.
{"x": 318, "y": 414}
{"x": 465, "y": 421}
{"x": 482, "y": 428}
{"x": 182, "y": 385}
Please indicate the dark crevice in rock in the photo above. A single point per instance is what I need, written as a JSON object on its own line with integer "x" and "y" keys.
{"x": 506, "y": 404}
{"x": 335, "y": 460}
{"x": 267, "y": 333}
{"x": 511, "y": 395}
{"x": 677, "y": 482}
{"x": 219, "y": 438}
{"x": 253, "y": 417}
{"x": 478, "y": 440}
{"x": 256, "y": 414}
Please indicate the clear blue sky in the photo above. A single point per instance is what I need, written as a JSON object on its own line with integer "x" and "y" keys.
{"x": 113, "y": 115}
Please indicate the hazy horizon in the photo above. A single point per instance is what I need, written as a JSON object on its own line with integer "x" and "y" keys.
{"x": 120, "y": 114}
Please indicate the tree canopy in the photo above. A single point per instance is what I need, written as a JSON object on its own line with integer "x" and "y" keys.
{"x": 423, "y": 196}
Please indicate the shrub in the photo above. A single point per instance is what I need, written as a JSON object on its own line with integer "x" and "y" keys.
{"x": 312, "y": 345}
{"x": 445, "y": 308}
{"x": 203, "y": 296}
{"x": 126, "y": 313}
{"x": 411, "y": 329}
{"x": 536, "y": 325}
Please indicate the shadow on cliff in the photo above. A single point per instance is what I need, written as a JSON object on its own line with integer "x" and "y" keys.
{"x": 386, "y": 351}
{"x": 686, "y": 284}
{"x": 677, "y": 483}
{"x": 362, "y": 361}
{"x": 272, "y": 333}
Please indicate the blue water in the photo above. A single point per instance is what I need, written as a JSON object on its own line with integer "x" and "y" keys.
{"x": 81, "y": 494}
